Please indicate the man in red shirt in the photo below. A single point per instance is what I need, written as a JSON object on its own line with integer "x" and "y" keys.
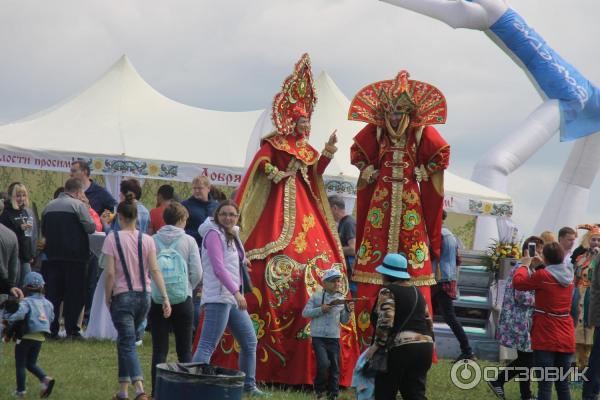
{"x": 164, "y": 196}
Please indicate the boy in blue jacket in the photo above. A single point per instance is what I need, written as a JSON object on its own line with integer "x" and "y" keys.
{"x": 38, "y": 312}
{"x": 326, "y": 309}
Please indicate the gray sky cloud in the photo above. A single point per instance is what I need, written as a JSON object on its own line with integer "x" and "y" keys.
{"x": 233, "y": 54}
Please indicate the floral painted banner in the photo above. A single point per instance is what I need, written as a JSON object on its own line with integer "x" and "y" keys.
{"x": 147, "y": 169}
{"x": 223, "y": 176}
{"x": 488, "y": 207}
{"x": 99, "y": 165}
{"x": 340, "y": 186}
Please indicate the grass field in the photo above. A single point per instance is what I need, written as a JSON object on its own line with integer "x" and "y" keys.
{"x": 87, "y": 370}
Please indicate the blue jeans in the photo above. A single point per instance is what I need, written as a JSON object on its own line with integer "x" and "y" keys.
{"x": 26, "y": 355}
{"x": 197, "y": 308}
{"x": 327, "y": 356}
{"x": 128, "y": 311}
{"x": 591, "y": 387}
{"x": 217, "y": 316}
{"x": 546, "y": 359}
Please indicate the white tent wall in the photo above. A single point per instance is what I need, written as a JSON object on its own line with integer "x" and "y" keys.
{"x": 124, "y": 127}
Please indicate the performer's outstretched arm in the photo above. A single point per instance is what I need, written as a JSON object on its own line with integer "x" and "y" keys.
{"x": 327, "y": 153}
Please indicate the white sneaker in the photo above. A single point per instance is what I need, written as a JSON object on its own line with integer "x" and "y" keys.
{"x": 19, "y": 394}
{"x": 139, "y": 343}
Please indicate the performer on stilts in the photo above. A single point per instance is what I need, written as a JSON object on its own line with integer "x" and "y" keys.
{"x": 289, "y": 237}
{"x": 400, "y": 194}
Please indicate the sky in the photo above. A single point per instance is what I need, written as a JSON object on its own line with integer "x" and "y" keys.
{"x": 232, "y": 55}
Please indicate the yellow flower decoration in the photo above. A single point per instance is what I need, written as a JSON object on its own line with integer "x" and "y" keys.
{"x": 97, "y": 164}
{"x": 308, "y": 222}
{"x": 380, "y": 194}
{"x": 488, "y": 208}
{"x": 306, "y": 153}
{"x": 418, "y": 254}
{"x": 300, "y": 242}
{"x": 410, "y": 196}
{"x": 498, "y": 250}
{"x": 281, "y": 142}
{"x": 153, "y": 170}
{"x": 363, "y": 320}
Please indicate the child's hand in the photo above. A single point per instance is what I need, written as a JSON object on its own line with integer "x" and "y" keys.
{"x": 17, "y": 292}
{"x": 325, "y": 308}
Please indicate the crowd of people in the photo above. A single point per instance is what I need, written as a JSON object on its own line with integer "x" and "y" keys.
{"x": 549, "y": 312}
{"x": 276, "y": 265}
{"x": 137, "y": 292}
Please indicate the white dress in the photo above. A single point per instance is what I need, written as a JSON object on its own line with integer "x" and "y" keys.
{"x": 100, "y": 324}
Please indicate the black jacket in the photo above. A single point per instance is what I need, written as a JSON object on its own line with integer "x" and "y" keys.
{"x": 66, "y": 224}
{"x": 404, "y": 299}
{"x": 99, "y": 198}
{"x": 12, "y": 219}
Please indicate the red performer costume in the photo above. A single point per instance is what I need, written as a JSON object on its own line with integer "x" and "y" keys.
{"x": 288, "y": 233}
{"x": 400, "y": 188}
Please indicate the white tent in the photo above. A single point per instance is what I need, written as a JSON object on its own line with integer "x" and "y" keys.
{"x": 125, "y": 127}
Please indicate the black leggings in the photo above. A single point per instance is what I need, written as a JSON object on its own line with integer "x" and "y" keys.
{"x": 524, "y": 360}
{"x": 180, "y": 320}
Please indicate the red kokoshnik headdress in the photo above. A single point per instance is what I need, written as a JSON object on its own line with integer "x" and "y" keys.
{"x": 424, "y": 102}
{"x": 296, "y": 99}
{"x": 594, "y": 230}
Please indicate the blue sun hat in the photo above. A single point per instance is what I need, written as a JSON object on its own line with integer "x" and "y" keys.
{"x": 331, "y": 273}
{"x": 34, "y": 280}
{"x": 394, "y": 265}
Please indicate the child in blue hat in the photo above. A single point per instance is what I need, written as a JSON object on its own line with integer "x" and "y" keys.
{"x": 326, "y": 308}
{"x": 38, "y": 312}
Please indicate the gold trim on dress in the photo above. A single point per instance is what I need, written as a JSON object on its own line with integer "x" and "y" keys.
{"x": 289, "y": 224}
{"x": 437, "y": 179}
{"x": 254, "y": 199}
{"x": 398, "y": 181}
{"x": 374, "y": 278}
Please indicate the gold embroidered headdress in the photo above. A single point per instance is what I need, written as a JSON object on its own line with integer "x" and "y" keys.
{"x": 297, "y": 98}
{"x": 424, "y": 102}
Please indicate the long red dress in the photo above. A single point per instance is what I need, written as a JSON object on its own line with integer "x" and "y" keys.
{"x": 395, "y": 213}
{"x": 288, "y": 237}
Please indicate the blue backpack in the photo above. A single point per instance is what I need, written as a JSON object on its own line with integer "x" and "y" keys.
{"x": 174, "y": 271}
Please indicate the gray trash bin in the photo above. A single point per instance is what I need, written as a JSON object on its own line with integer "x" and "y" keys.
{"x": 189, "y": 381}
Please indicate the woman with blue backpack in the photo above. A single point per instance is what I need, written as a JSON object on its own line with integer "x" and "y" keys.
{"x": 179, "y": 261}
{"x": 129, "y": 260}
